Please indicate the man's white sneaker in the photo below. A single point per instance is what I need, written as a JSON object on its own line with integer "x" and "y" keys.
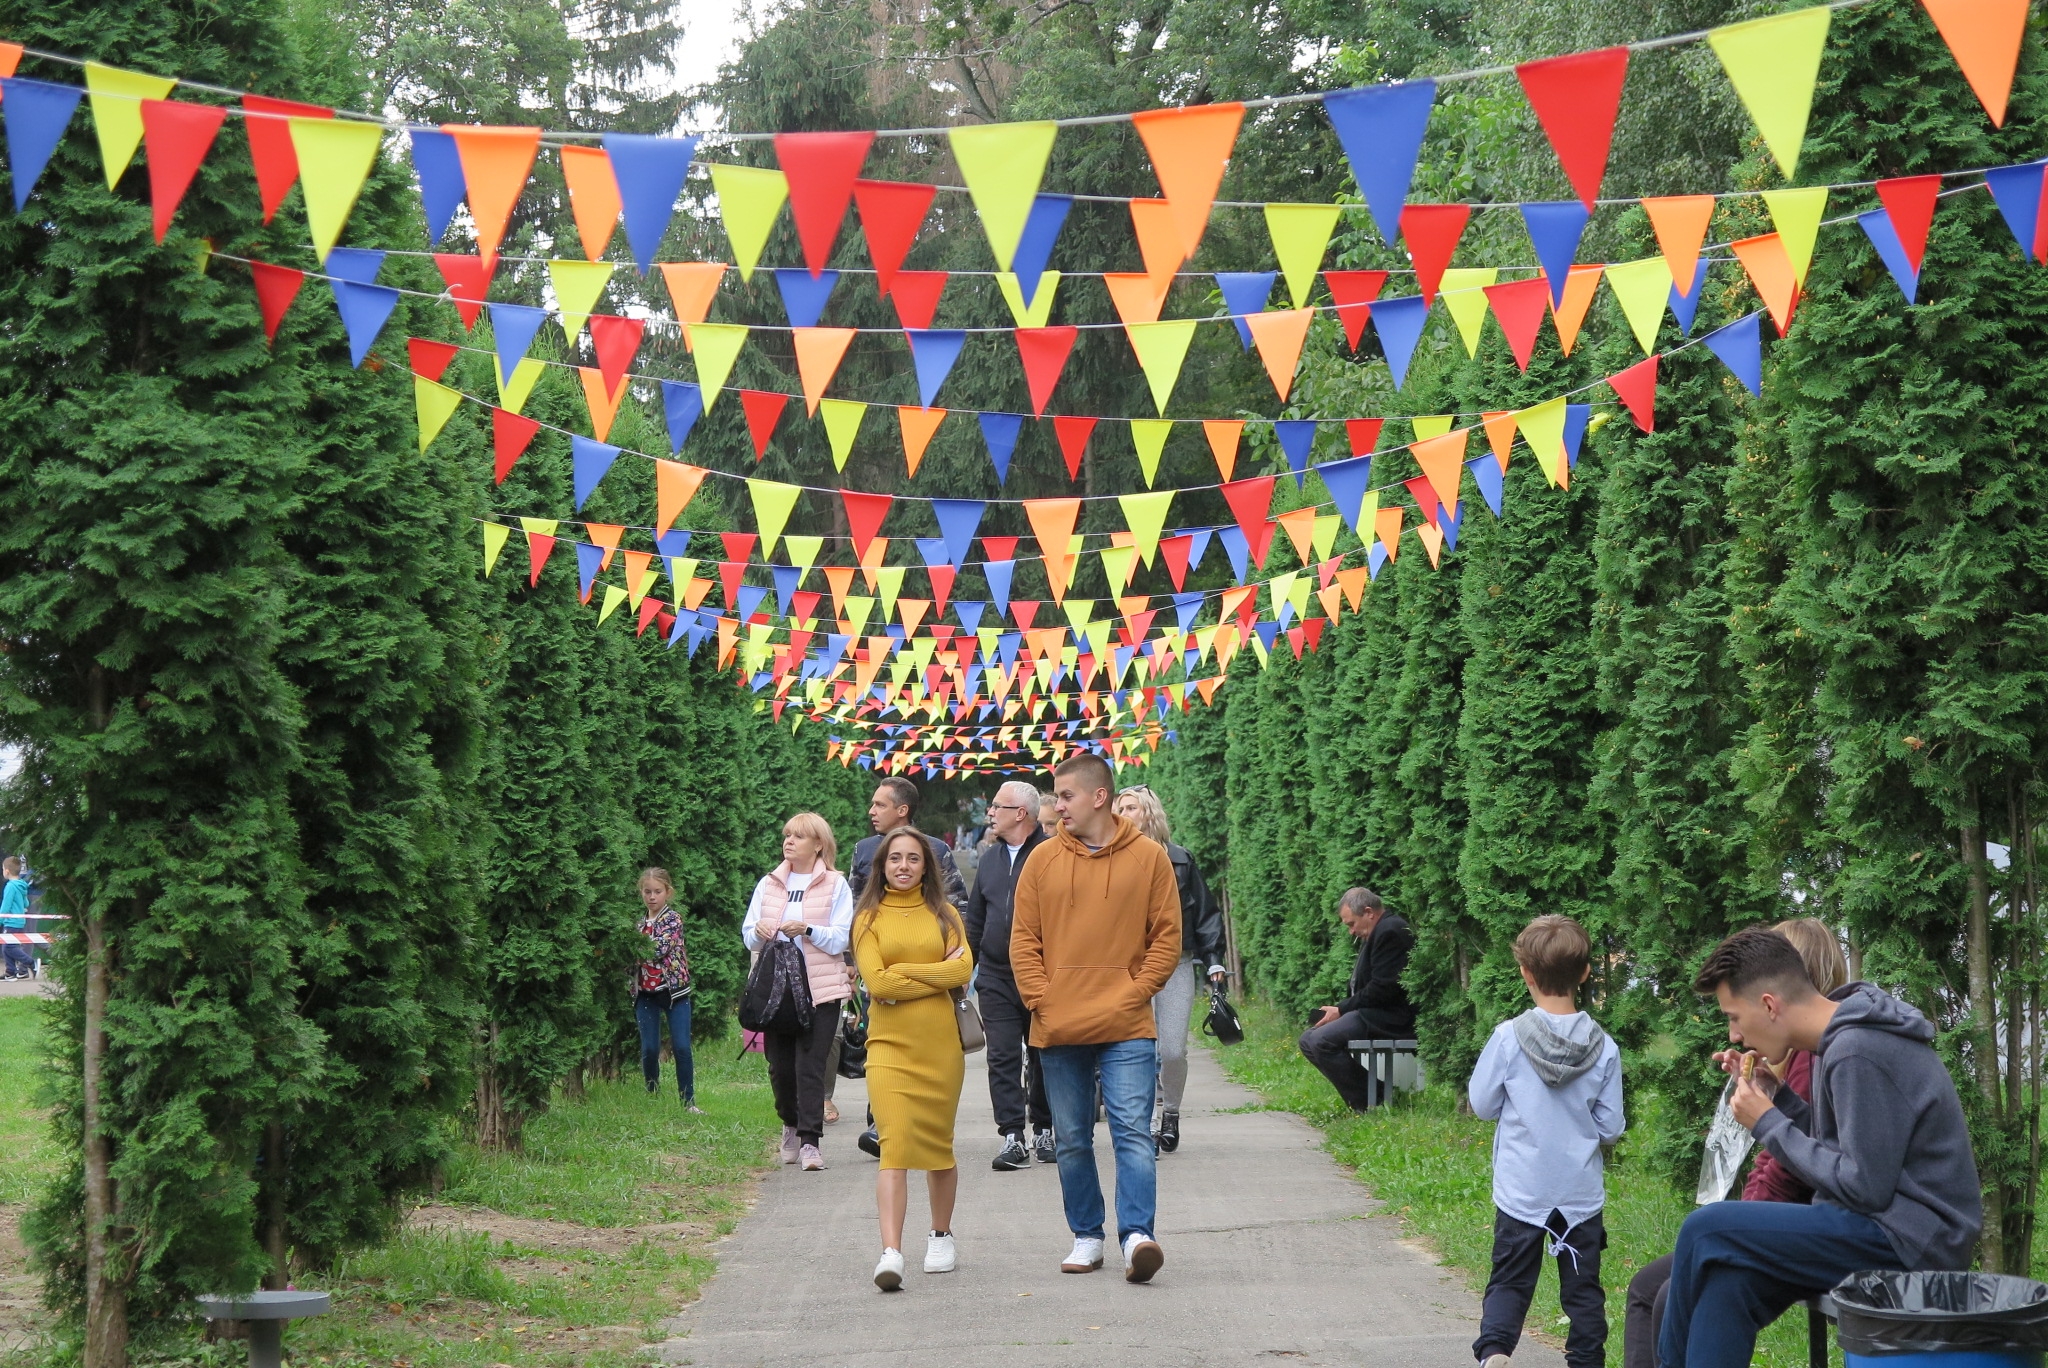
{"x": 1085, "y": 1258}
{"x": 790, "y": 1144}
{"x": 1142, "y": 1257}
{"x": 889, "y": 1270}
{"x": 939, "y": 1254}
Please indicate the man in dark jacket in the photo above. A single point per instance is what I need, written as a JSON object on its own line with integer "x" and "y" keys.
{"x": 1378, "y": 1006}
{"x": 1883, "y": 1144}
{"x": 895, "y": 805}
{"x": 1012, "y": 1067}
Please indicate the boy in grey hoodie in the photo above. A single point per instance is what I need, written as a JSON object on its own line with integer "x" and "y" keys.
{"x": 1883, "y": 1144}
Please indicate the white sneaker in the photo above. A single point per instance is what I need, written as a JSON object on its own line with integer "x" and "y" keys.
{"x": 1085, "y": 1258}
{"x": 813, "y": 1161}
{"x": 789, "y": 1144}
{"x": 939, "y": 1254}
{"x": 889, "y": 1270}
{"x": 1497, "y": 1361}
{"x": 1142, "y": 1257}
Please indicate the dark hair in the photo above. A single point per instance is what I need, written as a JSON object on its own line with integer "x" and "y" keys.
{"x": 870, "y": 903}
{"x": 1755, "y": 961}
{"x": 1556, "y": 951}
{"x": 1361, "y": 899}
{"x": 1090, "y": 768}
{"x": 902, "y": 790}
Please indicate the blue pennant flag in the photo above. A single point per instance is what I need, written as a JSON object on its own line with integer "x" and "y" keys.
{"x": 2017, "y": 190}
{"x": 1284, "y": 616}
{"x": 673, "y": 544}
{"x": 438, "y": 166}
{"x": 1347, "y": 480}
{"x": 1456, "y": 518}
{"x": 1245, "y": 292}
{"x": 1000, "y": 431}
{"x": 1381, "y": 128}
{"x": 513, "y": 327}
{"x": 1297, "y": 436}
{"x": 787, "y": 578}
{"x": 683, "y": 402}
{"x": 933, "y": 351}
{"x": 1199, "y": 547}
{"x": 1375, "y": 558}
{"x": 1741, "y": 349}
{"x": 1684, "y": 307}
{"x": 1186, "y": 608}
{"x": 1576, "y": 416}
{"x": 959, "y": 520}
{"x": 650, "y": 173}
{"x": 678, "y": 627}
{"x": 359, "y": 264}
{"x": 365, "y": 309}
{"x": 1034, "y": 249}
{"x": 37, "y": 113}
{"x": 1485, "y": 474}
{"x": 1877, "y": 226}
{"x": 589, "y": 460}
{"x": 749, "y": 599}
{"x": 1235, "y": 547}
{"x": 969, "y": 612}
{"x": 1554, "y": 228}
{"x": 1006, "y": 648}
{"x": 1269, "y": 632}
{"x": 1400, "y": 322}
{"x": 804, "y": 295}
{"x": 932, "y": 550}
{"x": 998, "y": 574}
{"x": 589, "y": 559}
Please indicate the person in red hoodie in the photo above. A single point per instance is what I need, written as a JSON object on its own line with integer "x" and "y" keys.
{"x": 1769, "y": 1180}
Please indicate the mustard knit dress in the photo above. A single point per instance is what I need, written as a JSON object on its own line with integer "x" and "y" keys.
{"x": 914, "y": 1062}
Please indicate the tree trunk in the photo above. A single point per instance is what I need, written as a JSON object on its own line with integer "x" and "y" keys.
{"x": 573, "y": 1089}
{"x": 496, "y": 1128}
{"x": 1983, "y": 1014}
{"x": 275, "y": 1190}
{"x": 106, "y": 1293}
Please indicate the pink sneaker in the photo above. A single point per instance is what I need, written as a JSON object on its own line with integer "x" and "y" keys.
{"x": 813, "y": 1161}
{"x": 789, "y": 1144}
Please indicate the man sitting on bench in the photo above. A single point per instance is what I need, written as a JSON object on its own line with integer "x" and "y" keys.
{"x": 1378, "y": 1007}
{"x": 1883, "y": 1144}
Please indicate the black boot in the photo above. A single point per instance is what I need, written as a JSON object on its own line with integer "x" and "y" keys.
{"x": 1168, "y": 1134}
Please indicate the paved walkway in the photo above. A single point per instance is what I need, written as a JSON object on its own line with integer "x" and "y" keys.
{"x": 1273, "y": 1255}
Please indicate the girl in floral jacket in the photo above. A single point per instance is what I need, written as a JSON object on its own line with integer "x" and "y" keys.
{"x": 661, "y": 988}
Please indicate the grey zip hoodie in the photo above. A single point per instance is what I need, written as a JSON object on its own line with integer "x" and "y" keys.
{"x": 1884, "y": 1135}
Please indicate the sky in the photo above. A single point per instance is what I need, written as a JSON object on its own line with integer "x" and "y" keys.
{"x": 711, "y": 33}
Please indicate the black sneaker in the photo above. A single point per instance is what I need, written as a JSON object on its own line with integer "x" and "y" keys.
{"x": 870, "y": 1142}
{"x": 1014, "y": 1155}
{"x": 1168, "y": 1134}
{"x": 1044, "y": 1149}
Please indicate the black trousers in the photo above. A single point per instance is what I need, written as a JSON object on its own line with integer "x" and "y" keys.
{"x": 1644, "y": 1319}
{"x": 1518, "y": 1249}
{"x": 798, "y": 1066}
{"x": 1015, "y": 1086}
{"x": 1326, "y": 1048}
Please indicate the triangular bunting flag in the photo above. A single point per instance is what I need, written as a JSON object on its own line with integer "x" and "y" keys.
{"x": 918, "y": 425}
{"x": 1044, "y": 353}
{"x": 335, "y": 156}
{"x": 1773, "y": 64}
{"x": 1353, "y": 293}
{"x": 1034, "y": 314}
{"x": 1137, "y": 296}
{"x": 675, "y": 484}
{"x": 1770, "y": 271}
{"x": 932, "y": 354}
{"x": 1159, "y": 244}
{"x": 436, "y": 165}
{"x": 1796, "y": 214}
{"x": 117, "y": 98}
{"x": 603, "y": 404}
{"x": 178, "y": 136}
{"x": 1280, "y": 336}
{"x": 1431, "y": 232}
{"x": 1002, "y": 165}
{"x": 1464, "y": 290}
{"x": 1740, "y": 347}
{"x": 1244, "y": 293}
{"x": 37, "y": 113}
{"x": 763, "y": 410}
{"x": 1554, "y": 228}
{"x": 593, "y": 197}
{"x": 616, "y": 341}
{"x": 435, "y": 405}
{"x": 1500, "y": 435}
{"x": 1249, "y": 499}
{"x": 804, "y": 294}
{"x": 682, "y": 405}
{"x": 842, "y": 425}
{"x": 1052, "y": 524}
{"x": 716, "y": 346}
{"x": 649, "y": 171}
{"x": 1149, "y": 436}
{"x": 915, "y": 296}
{"x": 999, "y": 431}
{"x": 1680, "y": 222}
{"x": 890, "y": 214}
{"x": 1984, "y": 37}
{"x": 276, "y": 288}
{"x": 1543, "y": 429}
{"x": 1883, "y": 236}
{"x": 495, "y": 165}
{"x": 513, "y": 328}
{"x": 1347, "y": 481}
{"x": 468, "y": 279}
{"x": 590, "y": 461}
{"x": 1189, "y": 147}
{"x": 1637, "y": 388}
{"x": 1642, "y": 288}
{"x": 1576, "y": 98}
{"x": 277, "y": 164}
{"x": 1519, "y": 306}
{"x": 1034, "y": 249}
{"x": 1073, "y": 434}
{"x": 1579, "y": 289}
{"x": 365, "y": 309}
{"x": 864, "y": 515}
{"x": 1909, "y": 202}
{"x": 818, "y": 354}
{"x": 1400, "y": 323}
{"x": 1381, "y": 130}
{"x": 1145, "y": 515}
{"x": 772, "y": 505}
{"x": 510, "y": 436}
{"x": 1300, "y": 235}
{"x": 749, "y": 198}
{"x": 820, "y": 169}
{"x": 578, "y": 285}
{"x": 1161, "y": 348}
{"x": 1223, "y": 435}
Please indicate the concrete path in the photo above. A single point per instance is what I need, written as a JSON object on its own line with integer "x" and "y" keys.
{"x": 1273, "y": 1255}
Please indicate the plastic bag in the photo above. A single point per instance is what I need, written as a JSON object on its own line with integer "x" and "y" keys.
{"x": 1728, "y": 1144}
{"x": 1934, "y": 1313}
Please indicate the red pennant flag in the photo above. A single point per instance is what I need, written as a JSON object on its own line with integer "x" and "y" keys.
{"x": 1000, "y": 548}
{"x": 1432, "y": 232}
{"x": 916, "y": 296}
{"x": 1073, "y": 434}
{"x": 764, "y": 411}
{"x": 1354, "y": 292}
{"x": 738, "y": 545}
{"x": 469, "y": 281}
{"x": 1249, "y": 500}
{"x": 1576, "y": 98}
{"x": 617, "y": 341}
{"x": 1044, "y": 354}
{"x": 890, "y": 214}
{"x": 510, "y": 434}
{"x": 1023, "y": 611}
{"x": 270, "y": 145}
{"x": 429, "y": 359}
{"x": 1364, "y": 433}
{"x": 1637, "y": 387}
{"x": 1520, "y": 306}
{"x": 804, "y": 604}
{"x": 276, "y": 288}
{"x": 942, "y": 588}
{"x": 1175, "y": 550}
{"x": 538, "y": 549}
{"x": 178, "y": 137}
{"x": 1984, "y": 38}
{"x": 821, "y": 169}
{"x": 1313, "y": 629}
{"x": 864, "y": 514}
{"x": 1909, "y": 203}
{"x": 649, "y": 606}
{"x": 1424, "y": 494}
{"x": 731, "y": 573}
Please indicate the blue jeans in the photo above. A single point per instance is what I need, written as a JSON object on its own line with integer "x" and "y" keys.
{"x": 648, "y": 1012}
{"x": 20, "y": 959}
{"x": 1741, "y": 1265}
{"x": 1129, "y": 1070}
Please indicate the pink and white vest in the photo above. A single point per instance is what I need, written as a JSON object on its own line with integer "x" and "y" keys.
{"x": 830, "y": 980}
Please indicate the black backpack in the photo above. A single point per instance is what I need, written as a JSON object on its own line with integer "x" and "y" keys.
{"x": 777, "y": 1000}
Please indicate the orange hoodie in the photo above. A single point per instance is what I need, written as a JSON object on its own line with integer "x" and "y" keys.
{"x": 1096, "y": 934}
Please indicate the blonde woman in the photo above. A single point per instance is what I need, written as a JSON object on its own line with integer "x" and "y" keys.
{"x": 912, "y": 951}
{"x": 1201, "y": 940}
{"x": 662, "y": 989}
{"x": 805, "y": 900}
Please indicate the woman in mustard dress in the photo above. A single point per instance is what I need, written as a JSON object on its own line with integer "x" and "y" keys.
{"x": 912, "y": 951}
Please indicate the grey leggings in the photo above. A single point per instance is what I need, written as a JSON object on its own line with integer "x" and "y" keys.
{"x": 1172, "y": 1009}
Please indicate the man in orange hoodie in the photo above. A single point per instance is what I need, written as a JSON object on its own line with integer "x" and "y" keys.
{"x": 1095, "y": 935}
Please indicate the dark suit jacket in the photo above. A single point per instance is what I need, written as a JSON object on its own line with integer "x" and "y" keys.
{"x": 1376, "y": 976}
{"x": 990, "y": 903}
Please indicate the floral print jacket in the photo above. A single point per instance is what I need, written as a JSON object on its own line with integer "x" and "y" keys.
{"x": 669, "y": 970}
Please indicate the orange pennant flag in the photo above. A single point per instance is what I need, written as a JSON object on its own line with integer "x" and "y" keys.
{"x": 1580, "y": 285}
{"x": 918, "y": 426}
{"x": 1500, "y": 435}
{"x": 603, "y": 408}
{"x": 1158, "y": 241}
{"x": 1280, "y": 334}
{"x": 871, "y": 560}
{"x": 1443, "y": 460}
{"x": 606, "y": 535}
{"x": 691, "y": 287}
{"x": 1353, "y": 582}
{"x": 1770, "y": 271}
{"x": 694, "y": 593}
{"x": 1432, "y": 542}
{"x": 1137, "y": 297}
{"x": 840, "y": 579}
{"x": 1300, "y": 526}
{"x": 1984, "y": 38}
{"x": 495, "y": 164}
{"x": 593, "y": 196}
{"x": 1189, "y": 148}
{"x": 1681, "y": 223}
{"x": 818, "y": 353}
{"x": 1387, "y": 524}
{"x": 675, "y": 484}
{"x": 1223, "y": 434}
{"x": 1052, "y": 523}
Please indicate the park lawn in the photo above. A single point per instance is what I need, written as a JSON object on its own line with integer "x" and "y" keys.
{"x": 1431, "y": 1163}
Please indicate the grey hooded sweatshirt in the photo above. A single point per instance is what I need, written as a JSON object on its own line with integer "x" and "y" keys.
{"x": 1884, "y": 1135}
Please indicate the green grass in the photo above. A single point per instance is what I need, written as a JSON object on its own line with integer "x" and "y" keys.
{"x": 1431, "y": 1163}
{"x": 25, "y": 1136}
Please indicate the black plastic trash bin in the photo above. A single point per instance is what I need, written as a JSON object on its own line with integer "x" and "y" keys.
{"x": 1943, "y": 1320}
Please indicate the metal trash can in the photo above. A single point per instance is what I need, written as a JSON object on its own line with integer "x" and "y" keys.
{"x": 1942, "y": 1320}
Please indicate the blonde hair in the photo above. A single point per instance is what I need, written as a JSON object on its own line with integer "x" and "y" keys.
{"x": 810, "y": 824}
{"x": 1151, "y": 818}
{"x": 1819, "y": 949}
{"x": 660, "y": 876}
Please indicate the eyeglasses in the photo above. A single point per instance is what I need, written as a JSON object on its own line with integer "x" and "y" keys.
{"x": 1135, "y": 788}
{"x": 1007, "y": 807}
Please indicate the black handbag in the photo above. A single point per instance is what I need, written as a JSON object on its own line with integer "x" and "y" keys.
{"x": 777, "y": 1000}
{"x": 853, "y": 1037}
{"x": 1222, "y": 1022}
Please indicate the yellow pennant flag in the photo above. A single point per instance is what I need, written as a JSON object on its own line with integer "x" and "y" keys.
{"x": 1161, "y": 348}
{"x": 1300, "y": 234}
{"x": 1149, "y": 436}
{"x": 1773, "y": 63}
{"x": 749, "y": 198}
{"x": 1145, "y": 515}
{"x": 1643, "y": 289}
{"x": 772, "y": 505}
{"x": 613, "y": 597}
{"x": 1464, "y": 293}
{"x": 1117, "y": 563}
{"x": 1543, "y": 429}
{"x": 512, "y": 393}
{"x": 335, "y": 157}
{"x": 1035, "y": 314}
{"x": 494, "y": 544}
{"x": 716, "y": 346}
{"x": 1327, "y": 527}
{"x": 117, "y": 98}
{"x": 1796, "y": 214}
{"x": 842, "y": 423}
{"x": 436, "y": 404}
{"x": 578, "y": 285}
{"x": 1427, "y": 425}
{"x": 1002, "y": 165}
{"x": 803, "y": 551}
{"x": 889, "y": 583}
